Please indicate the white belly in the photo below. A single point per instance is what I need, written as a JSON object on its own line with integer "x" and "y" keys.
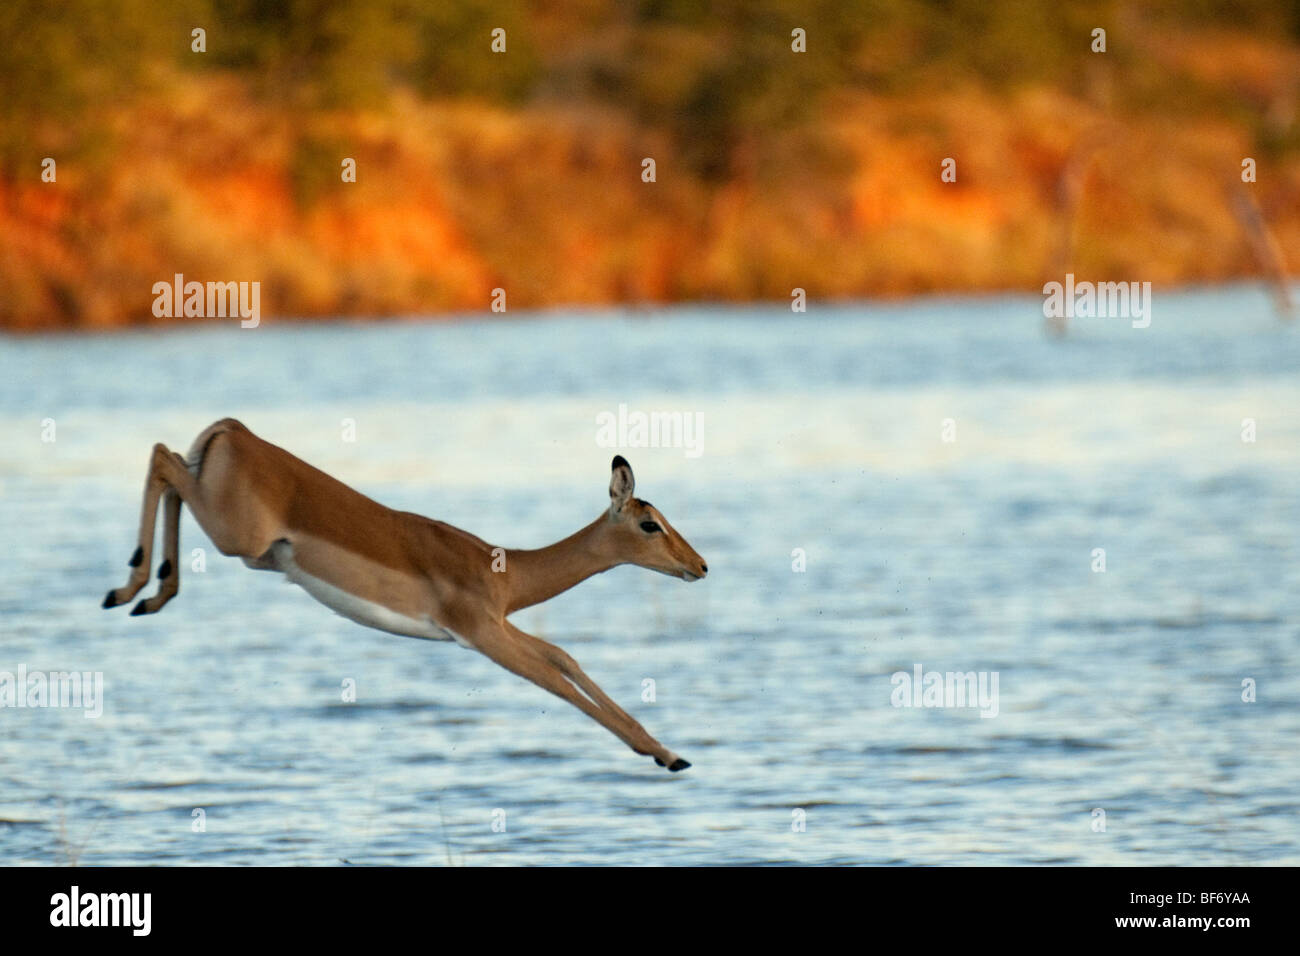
{"x": 354, "y": 608}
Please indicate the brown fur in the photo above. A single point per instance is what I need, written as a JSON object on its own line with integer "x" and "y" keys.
{"x": 251, "y": 496}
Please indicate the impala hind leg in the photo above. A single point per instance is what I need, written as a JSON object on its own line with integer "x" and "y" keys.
{"x": 169, "y": 572}
{"x": 167, "y": 471}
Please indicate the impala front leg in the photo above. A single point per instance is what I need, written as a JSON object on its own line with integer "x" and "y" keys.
{"x": 552, "y": 669}
{"x": 561, "y": 659}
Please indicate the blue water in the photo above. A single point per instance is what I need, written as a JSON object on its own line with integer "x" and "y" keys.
{"x": 1118, "y": 690}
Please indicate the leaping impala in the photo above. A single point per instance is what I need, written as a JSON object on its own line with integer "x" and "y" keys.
{"x": 396, "y": 571}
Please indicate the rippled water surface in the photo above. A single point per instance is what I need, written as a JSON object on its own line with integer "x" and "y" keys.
{"x": 1119, "y": 691}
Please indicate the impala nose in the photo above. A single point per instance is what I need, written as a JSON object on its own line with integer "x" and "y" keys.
{"x": 704, "y": 568}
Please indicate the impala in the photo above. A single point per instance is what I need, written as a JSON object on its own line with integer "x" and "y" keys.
{"x": 396, "y": 571}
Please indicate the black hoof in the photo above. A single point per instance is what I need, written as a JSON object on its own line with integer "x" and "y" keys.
{"x": 164, "y": 570}
{"x": 139, "y": 609}
{"x": 136, "y": 558}
{"x": 109, "y": 600}
{"x": 678, "y": 764}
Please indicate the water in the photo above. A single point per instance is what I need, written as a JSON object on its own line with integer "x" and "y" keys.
{"x": 1119, "y": 690}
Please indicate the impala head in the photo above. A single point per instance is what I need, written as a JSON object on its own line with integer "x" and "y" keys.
{"x": 639, "y": 534}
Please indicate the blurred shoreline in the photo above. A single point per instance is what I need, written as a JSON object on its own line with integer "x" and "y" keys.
{"x": 1124, "y": 165}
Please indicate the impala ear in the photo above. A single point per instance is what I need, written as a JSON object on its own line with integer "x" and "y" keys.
{"x": 621, "y": 484}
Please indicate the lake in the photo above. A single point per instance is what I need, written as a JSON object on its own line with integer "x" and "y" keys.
{"x": 875, "y": 487}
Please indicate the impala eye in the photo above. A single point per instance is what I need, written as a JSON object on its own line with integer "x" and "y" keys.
{"x": 649, "y": 527}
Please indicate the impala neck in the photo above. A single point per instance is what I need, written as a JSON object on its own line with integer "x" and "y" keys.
{"x": 539, "y": 574}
